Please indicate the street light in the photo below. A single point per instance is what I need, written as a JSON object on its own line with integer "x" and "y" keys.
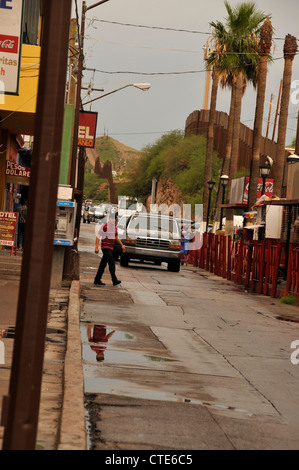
{"x": 211, "y": 184}
{"x": 140, "y": 86}
{"x": 224, "y": 182}
{"x": 292, "y": 158}
{"x": 264, "y": 173}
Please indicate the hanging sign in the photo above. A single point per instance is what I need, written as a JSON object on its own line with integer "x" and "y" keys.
{"x": 11, "y": 12}
{"x": 17, "y": 174}
{"x": 87, "y": 129}
{"x": 8, "y": 225}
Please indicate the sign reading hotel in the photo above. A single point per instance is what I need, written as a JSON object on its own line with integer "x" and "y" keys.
{"x": 10, "y": 45}
{"x": 87, "y": 129}
{"x": 8, "y": 225}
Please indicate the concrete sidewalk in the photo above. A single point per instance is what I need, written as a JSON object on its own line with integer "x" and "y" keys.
{"x": 62, "y": 384}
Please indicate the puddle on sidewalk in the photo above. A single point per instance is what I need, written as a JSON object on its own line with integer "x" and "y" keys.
{"x": 128, "y": 389}
{"x": 95, "y": 347}
{"x": 95, "y": 352}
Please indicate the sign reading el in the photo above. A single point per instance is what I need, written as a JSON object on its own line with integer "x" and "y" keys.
{"x": 10, "y": 45}
{"x": 87, "y": 129}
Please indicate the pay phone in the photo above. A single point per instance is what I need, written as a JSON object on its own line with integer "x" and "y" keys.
{"x": 65, "y": 223}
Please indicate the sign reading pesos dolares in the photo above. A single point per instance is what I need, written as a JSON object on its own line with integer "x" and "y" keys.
{"x": 16, "y": 173}
{"x": 87, "y": 129}
{"x": 10, "y": 45}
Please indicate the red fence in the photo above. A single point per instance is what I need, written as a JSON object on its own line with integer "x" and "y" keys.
{"x": 258, "y": 265}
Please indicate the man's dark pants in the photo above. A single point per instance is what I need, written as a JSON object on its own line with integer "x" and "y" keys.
{"x": 107, "y": 258}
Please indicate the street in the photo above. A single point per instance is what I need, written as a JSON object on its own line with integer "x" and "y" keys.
{"x": 194, "y": 361}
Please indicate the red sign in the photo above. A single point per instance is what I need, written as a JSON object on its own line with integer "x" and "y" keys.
{"x": 268, "y": 188}
{"x": 9, "y": 44}
{"x": 87, "y": 129}
{"x": 8, "y": 225}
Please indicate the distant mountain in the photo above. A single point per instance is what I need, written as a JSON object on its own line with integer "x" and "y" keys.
{"x": 119, "y": 154}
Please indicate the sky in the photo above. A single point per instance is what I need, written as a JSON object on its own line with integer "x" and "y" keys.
{"x": 137, "y": 37}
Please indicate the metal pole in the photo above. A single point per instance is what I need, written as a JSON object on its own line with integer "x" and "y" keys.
{"x": 22, "y": 405}
{"x": 78, "y": 100}
{"x": 208, "y": 211}
{"x": 71, "y": 256}
{"x": 106, "y": 94}
{"x": 221, "y": 212}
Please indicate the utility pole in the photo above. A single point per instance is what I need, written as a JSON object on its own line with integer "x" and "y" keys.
{"x": 277, "y": 110}
{"x": 208, "y": 81}
{"x": 71, "y": 268}
{"x": 21, "y": 407}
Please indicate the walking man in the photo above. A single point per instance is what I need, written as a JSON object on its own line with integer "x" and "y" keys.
{"x": 108, "y": 234}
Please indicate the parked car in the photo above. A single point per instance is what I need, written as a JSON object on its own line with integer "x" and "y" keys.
{"x": 152, "y": 237}
{"x": 100, "y": 212}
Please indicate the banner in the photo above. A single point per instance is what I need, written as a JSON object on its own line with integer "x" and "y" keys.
{"x": 8, "y": 225}
{"x": 11, "y": 12}
{"x": 87, "y": 129}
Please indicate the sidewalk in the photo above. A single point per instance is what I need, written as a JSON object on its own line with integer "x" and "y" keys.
{"x": 62, "y": 412}
{"x": 62, "y": 384}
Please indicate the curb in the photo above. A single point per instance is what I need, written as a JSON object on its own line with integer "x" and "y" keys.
{"x": 72, "y": 429}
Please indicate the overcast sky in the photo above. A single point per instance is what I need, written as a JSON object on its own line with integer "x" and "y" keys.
{"x": 171, "y": 61}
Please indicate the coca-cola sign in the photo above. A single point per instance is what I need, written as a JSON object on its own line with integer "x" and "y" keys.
{"x": 9, "y": 44}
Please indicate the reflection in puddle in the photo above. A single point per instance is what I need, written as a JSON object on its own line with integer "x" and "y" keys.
{"x": 95, "y": 340}
{"x": 95, "y": 344}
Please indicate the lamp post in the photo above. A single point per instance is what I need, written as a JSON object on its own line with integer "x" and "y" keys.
{"x": 211, "y": 184}
{"x": 140, "y": 86}
{"x": 264, "y": 173}
{"x": 224, "y": 182}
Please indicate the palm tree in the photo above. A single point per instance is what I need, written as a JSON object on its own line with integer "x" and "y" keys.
{"x": 244, "y": 23}
{"x": 213, "y": 60}
{"x": 289, "y": 50}
{"x": 264, "y": 51}
{"x": 221, "y": 61}
{"x": 210, "y": 141}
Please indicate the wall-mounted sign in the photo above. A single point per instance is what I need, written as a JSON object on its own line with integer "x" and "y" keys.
{"x": 16, "y": 173}
{"x": 8, "y": 225}
{"x": 11, "y": 13}
{"x": 87, "y": 129}
{"x": 240, "y": 188}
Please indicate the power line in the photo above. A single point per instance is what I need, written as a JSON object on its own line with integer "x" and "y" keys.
{"x": 181, "y": 72}
{"x": 179, "y": 30}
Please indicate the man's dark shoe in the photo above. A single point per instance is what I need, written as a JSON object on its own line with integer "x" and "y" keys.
{"x": 99, "y": 283}
{"x": 115, "y": 283}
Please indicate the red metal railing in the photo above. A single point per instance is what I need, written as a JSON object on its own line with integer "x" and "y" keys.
{"x": 258, "y": 265}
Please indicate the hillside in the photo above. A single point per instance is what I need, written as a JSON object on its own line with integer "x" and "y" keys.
{"x": 119, "y": 154}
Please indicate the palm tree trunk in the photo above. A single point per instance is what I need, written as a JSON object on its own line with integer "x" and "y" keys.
{"x": 264, "y": 50}
{"x": 290, "y": 49}
{"x": 228, "y": 149}
{"x": 229, "y": 225}
{"x": 210, "y": 143}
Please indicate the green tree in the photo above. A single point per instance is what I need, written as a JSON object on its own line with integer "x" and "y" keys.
{"x": 172, "y": 156}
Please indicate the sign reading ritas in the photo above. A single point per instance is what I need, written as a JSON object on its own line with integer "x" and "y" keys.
{"x": 10, "y": 44}
{"x": 87, "y": 129}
